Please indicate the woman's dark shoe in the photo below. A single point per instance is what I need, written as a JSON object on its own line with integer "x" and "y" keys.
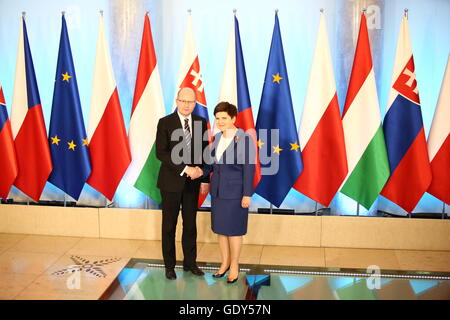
{"x": 220, "y": 275}
{"x": 232, "y": 281}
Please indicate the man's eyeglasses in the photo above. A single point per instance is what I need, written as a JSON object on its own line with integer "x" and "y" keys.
{"x": 185, "y": 101}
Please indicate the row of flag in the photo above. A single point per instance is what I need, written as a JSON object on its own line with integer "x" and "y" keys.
{"x": 354, "y": 153}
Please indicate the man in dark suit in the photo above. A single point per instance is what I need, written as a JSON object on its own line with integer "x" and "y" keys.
{"x": 179, "y": 147}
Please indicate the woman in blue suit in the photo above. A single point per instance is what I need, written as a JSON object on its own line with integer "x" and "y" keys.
{"x": 232, "y": 163}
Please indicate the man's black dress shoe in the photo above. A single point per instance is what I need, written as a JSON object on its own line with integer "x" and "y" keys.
{"x": 194, "y": 269}
{"x": 220, "y": 275}
{"x": 170, "y": 274}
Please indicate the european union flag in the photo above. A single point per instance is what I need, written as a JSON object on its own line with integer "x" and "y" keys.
{"x": 67, "y": 135}
{"x": 279, "y": 141}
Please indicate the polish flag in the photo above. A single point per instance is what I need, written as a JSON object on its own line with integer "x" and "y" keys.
{"x": 107, "y": 137}
{"x": 403, "y": 131}
{"x": 321, "y": 133}
{"x": 439, "y": 143}
{"x": 235, "y": 90}
{"x": 27, "y": 123}
{"x": 189, "y": 75}
{"x": 8, "y": 161}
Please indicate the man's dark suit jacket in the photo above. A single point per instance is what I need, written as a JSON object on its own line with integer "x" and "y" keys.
{"x": 169, "y": 178}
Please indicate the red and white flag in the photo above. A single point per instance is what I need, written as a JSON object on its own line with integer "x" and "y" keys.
{"x": 189, "y": 75}
{"x": 439, "y": 143}
{"x": 107, "y": 137}
{"x": 321, "y": 133}
{"x": 28, "y": 126}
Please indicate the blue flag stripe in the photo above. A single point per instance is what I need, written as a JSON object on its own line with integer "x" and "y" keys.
{"x": 32, "y": 88}
{"x": 402, "y": 124}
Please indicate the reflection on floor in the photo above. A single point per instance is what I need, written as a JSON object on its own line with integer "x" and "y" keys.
{"x": 36, "y": 267}
{"x": 145, "y": 280}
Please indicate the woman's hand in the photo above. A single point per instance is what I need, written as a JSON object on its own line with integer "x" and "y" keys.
{"x": 245, "y": 202}
{"x": 204, "y": 188}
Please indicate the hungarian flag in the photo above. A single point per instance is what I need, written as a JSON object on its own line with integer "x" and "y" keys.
{"x": 235, "y": 90}
{"x": 28, "y": 126}
{"x": 189, "y": 75}
{"x": 8, "y": 162}
{"x": 321, "y": 133}
{"x": 107, "y": 137}
{"x": 404, "y": 133}
{"x": 364, "y": 139}
{"x": 439, "y": 143}
{"x": 148, "y": 108}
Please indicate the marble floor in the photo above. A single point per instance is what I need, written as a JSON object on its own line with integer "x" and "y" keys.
{"x": 43, "y": 267}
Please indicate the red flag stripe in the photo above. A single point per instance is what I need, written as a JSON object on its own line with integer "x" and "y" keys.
{"x": 324, "y": 158}
{"x": 33, "y": 154}
{"x": 110, "y": 152}
{"x": 360, "y": 70}
{"x": 404, "y": 188}
{"x": 440, "y": 169}
{"x": 8, "y": 160}
{"x": 147, "y": 63}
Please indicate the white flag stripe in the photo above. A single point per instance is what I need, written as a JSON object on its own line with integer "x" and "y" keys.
{"x": 319, "y": 93}
{"x": 103, "y": 82}
{"x": 402, "y": 55}
{"x": 19, "y": 106}
{"x": 143, "y": 125}
{"x": 440, "y": 128}
{"x": 188, "y": 57}
{"x": 358, "y": 130}
{"x": 228, "y": 90}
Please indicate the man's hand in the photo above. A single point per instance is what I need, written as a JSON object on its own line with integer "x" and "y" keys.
{"x": 245, "y": 203}
{"x": 204, "y": 188}
{"x": 194, "y": 172}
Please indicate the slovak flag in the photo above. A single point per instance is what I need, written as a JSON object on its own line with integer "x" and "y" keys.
{"x": 28, "y": 126}
{"x": 107, "y": 137}
{"x": 235, "y": 91}
{"x": 404, "y": 133}
{"x": 8, "y": 162}
{"x": 189, "y": 76}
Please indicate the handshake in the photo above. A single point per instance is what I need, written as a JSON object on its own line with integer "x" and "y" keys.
{"x": 194, "y": 172}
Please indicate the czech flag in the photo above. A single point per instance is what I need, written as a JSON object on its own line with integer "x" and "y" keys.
{"x": 235, "y": 90}
{"x": 28, "y": 126}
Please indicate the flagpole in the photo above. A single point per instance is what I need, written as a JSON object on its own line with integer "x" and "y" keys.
{"x": 315, "y": 209}
{"x": 271, "y": 206}
{"x": 443, "y": 210}
{"x": 357, "y": 209}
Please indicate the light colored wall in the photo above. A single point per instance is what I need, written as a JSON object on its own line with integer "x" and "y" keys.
{"x": 263, "y": 229}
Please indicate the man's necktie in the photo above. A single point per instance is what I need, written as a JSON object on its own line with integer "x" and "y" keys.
{"x": 187, "y": 132}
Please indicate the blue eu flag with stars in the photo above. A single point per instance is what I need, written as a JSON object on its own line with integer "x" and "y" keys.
{"x": 276, "y": 112}
{"x": 67, "y": 135}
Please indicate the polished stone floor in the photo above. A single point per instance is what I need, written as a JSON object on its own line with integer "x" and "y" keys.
{"x": 50, "y": 267}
